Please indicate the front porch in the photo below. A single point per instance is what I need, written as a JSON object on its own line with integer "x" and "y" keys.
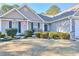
{"x": 23, "y": 25}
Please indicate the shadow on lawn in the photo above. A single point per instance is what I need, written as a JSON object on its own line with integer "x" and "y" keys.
{"x": 38, "y": 49}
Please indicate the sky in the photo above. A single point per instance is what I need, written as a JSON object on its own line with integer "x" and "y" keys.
{"x": 42, "y": 7}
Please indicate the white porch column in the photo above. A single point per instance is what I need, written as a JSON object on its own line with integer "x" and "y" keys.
{"x": 43, "y": 27}
{"x": 72, "y": 34}
{"x": 27, "y": 25}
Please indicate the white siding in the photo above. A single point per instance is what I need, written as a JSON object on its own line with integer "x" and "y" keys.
{"x": 4, "y": 25}
{"x": 35, "y": 25}
{"x": 61, "y": 26}
{"x": 77, "y": 28}
{"x": 23, "y": 26}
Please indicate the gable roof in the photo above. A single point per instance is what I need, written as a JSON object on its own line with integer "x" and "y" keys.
{"x": 13, "y": 14}
{"x": 30, "y": 13}
{"x": 24, "y": 11}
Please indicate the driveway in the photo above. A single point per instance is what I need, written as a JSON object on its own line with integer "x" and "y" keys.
{"x": 39, "y": 47}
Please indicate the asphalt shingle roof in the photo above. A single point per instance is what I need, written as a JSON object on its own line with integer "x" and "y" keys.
{"x": 65, "y": 14}
{"x": 62, "y": 15}
{"x": 45, "y": 18}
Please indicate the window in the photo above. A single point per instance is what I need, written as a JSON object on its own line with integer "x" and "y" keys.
{"x": 31, "y": 26}
{"x": 10, "y": 24}
{"x": 38, "y": 25}
{"x": 45, "y": 27}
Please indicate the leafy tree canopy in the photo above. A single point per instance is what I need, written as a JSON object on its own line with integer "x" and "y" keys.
{"x": 54, "y": 9}
{"x": 7, "y": 7}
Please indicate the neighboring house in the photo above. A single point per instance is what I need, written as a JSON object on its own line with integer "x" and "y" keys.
{"x": 24, "y": 18}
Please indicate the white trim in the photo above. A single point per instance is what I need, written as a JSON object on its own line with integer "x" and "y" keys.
{"x": 35, "y": 13}
{"x": 43, "y": 27}
{"x": 12, "y": 20}
{"x": 76, "y": 12}
{"x": 13, "y": 10}
{"x": 21, "y": 14}
{"x": 35, "y": 21}
{"x": 59, "y": 19}
{"x": 7, "y": 12}
{"x": 69, "y": 9}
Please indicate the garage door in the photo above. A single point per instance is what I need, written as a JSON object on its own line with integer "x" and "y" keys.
{"x": 76, "y": 28}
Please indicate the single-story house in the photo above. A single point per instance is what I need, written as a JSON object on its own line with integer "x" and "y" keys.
{"x": 24, "y": 18}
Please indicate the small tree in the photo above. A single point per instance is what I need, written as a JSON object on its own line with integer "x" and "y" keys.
{"x": 11, "y": 32}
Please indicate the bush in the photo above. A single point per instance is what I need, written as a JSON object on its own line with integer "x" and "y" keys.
{"x": 44, "y": 34}
{"x": 2, "y": 35}
{"x": 28, "y": 33}
{"x": 64, "y": 35}
{"x": 37, "y": 34}
{"x": 11, "y": 32}
{"x": 54, "y": 35}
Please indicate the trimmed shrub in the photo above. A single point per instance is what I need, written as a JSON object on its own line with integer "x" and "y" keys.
{"x": 37, "y": 34}
{"x": 64, "y": 35}
{"x": 11, "y": 32}
{"x": 54, "y": 35}
{"x": 44, "y": 34}
{"x": 2, "y": 35}
{"x": 28, "y": 33}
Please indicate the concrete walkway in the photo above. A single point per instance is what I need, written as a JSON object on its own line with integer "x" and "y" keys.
{"x": 39, "y": 47}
